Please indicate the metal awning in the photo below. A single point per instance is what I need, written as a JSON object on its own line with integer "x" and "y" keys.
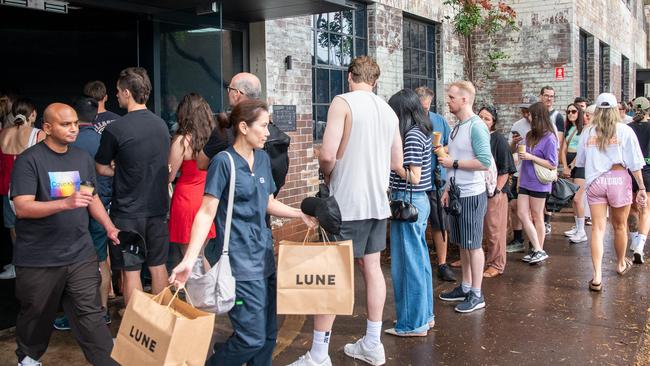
{"x": 237, "y": 10}
{"x": 643, "y": 75}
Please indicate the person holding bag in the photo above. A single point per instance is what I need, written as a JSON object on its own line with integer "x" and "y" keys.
{"x": 253, "y": 316}
{"x": 539, "y": 157}
{"x": 410, "y": 263}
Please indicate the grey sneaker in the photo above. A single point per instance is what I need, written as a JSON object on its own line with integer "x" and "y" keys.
{"x": 547, "y": 228}
{"x": 471, "y": 303}
{"x": 456, "y": 294}
{"x": 538, "y": 257}
{"x": 306, "y": 360}
{"x": 527, "y": 257}
{"x": 515, "y": 246}
{"x": 358, "y": 351}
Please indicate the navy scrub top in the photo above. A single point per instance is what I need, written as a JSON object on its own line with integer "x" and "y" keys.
{"x": 251, "y": 245}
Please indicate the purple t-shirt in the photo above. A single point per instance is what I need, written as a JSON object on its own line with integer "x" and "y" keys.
{"x": 546, "y": 149}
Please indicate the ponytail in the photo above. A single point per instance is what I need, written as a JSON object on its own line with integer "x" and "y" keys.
{"x": 22, "y": 108}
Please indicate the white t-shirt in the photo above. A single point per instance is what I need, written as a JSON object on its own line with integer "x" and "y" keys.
{"x": 623, "y": 149}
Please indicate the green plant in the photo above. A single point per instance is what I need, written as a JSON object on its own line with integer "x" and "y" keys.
{"x": 481, "y": 17}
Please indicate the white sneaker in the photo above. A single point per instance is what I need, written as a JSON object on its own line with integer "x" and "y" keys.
{"x": 306, "y": 360}
{"x": 571, "y": 232}
{"x": 358, "y": 350}
{"x": 578, "y": 237}
{"x": 27, "y": 361}
{"x": 638, "y": 253}
{"x": 634, "y": 239}
{"x": 8, "y": 273}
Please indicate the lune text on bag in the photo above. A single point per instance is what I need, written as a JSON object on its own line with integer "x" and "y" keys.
{"x": 143, "y": 339}
{"x": 311, "y": 279}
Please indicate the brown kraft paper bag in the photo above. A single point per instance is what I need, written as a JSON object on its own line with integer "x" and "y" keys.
{"x": 162, "y": 330}
{"x": 315, "y": 278}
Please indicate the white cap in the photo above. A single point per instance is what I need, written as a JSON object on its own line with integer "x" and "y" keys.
{"x": 591, "y": 109}
{"x": 606, "y": 100}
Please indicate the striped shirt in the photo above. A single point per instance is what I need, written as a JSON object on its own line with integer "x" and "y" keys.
{"x": 417, "y": 152}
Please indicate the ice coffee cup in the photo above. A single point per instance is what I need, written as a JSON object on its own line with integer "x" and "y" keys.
{"x": 521, "y": 148}
{"x": 436, "y": 138}
{"x": 440, "y": 152}
{"x": 87, "y": 186}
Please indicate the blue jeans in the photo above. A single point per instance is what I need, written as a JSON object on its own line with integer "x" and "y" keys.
{"x": 411, "y": 268}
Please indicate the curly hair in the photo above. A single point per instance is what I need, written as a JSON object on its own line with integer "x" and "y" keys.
{"x": 195, "y": 120}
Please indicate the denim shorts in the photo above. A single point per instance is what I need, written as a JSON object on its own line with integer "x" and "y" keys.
{"x": 8, "y": 214}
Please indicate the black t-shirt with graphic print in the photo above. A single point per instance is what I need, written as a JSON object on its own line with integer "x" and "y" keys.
{"x": 62, "y": 238}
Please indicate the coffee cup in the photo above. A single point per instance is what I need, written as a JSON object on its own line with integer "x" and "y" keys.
{"x": 437, "y": 136}
{"x": 521, "y": 148}
{"x": 440, "y": 152}
{"x": 87, "y": 187}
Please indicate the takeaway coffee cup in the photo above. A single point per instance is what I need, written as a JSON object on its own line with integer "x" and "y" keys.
{"x": 440, "y": 152}
{"x": 87, "y": 186}
{"x": 436, "y": 138}
{"x": 521, "y": 148}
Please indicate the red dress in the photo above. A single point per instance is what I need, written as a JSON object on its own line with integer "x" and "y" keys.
{"x": 186, "y": 202}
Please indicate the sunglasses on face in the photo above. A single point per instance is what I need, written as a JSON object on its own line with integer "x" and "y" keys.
{"x": 572, "y": 111}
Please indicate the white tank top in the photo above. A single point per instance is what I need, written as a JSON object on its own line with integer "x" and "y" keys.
{"x": 359, "y": 180}
{"x": 470, "y": 182}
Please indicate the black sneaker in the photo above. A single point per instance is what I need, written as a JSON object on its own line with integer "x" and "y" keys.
{"x": 538, "y": 257}
{"x": 515, "y": 246}
{"x": 445, "y": 273}
{"x": 471, "y": 303}
{"x": 456, "y": 294}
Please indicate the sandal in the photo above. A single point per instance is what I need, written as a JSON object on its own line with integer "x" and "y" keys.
{"x": 595, "y": 287}
{"x": 455, "y": 264}
{"x": 628, "y": 266}
{"x": 491, "y": 272}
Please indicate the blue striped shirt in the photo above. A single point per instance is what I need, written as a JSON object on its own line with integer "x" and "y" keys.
{"x": 417, "y": 152}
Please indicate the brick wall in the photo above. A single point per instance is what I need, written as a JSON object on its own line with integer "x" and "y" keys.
{"x": 293, "y": 37}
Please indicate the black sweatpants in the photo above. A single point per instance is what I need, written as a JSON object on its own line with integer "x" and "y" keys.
{"x": 76, "y": 286}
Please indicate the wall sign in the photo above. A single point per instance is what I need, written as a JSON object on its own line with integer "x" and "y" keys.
{"x": 559, "y": 73}
{"x": 284, "y": 116}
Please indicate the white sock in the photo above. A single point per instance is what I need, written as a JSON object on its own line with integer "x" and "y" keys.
{"x": 373, "y": 331}
{"x": 580, "y": 224}
{"x": 633, "y": 235}
{"x": 640, "y": 243}
{"x": 320, "y": 346}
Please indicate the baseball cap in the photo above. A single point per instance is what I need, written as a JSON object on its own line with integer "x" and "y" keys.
{"x": 606, "y": 100}
{"x": 641, "y": 103}
{"x": 133, "y": 248}
{"x": 326, "y": 210}
{"x": 527, "y": 101}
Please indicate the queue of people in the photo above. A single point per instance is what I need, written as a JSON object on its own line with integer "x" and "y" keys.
{"x": 89, "y": 175}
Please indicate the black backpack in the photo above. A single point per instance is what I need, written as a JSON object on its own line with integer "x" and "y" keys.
{"x": 277, "y": 146}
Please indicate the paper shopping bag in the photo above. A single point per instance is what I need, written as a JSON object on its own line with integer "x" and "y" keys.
{"x": 162, "y": 330}
{"x": 315, "y": 278}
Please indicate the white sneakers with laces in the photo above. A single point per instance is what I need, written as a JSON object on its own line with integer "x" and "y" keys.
{"x": 28, "y": 361}
{"x": 358, "y": 351}
{"x": 306, "y": 360}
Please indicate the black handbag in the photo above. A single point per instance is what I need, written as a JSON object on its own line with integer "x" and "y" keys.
{"x": 561, "y": 195}
{"x": 453, "y": 203}
{"x": 402, "y": 210}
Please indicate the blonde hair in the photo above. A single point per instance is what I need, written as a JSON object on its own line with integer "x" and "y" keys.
{"x": 604, "y": 122}
{"x": 466, "y": 87}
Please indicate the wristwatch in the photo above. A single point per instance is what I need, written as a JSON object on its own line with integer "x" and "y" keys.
{"x": 455, "y": 166}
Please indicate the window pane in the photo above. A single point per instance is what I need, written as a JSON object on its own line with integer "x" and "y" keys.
{"x": 346, "y": 51}
{"x": 431, "y": 84}
{"x": 423, "y": 37}
{"x": 360, "y": 44}
{"x": 319, "y": 122}
{"x": 414, "y": 35}
{"x": 346, "y": 87}
{"x": 406, "y": 33}
{"x": 407, "y": 83}
{"x": 335, "y": 49}
{"x": 322, "y": 86}
{"x": 321, "y": 21}
{"x": 422, "y": 59}
{"x": 431, "y": 64}
{"x": 322, "y": 43}
{"x": 431, "y": 37}
{"x": 346, "y": 22}
{"x": 335, "y": 21}
{"x": 336, "y": 83}
{"x": 360, "y": 23}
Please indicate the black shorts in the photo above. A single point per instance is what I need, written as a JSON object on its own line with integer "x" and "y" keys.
{"x": 438, "y": 221}
{"x": 645, "y": 173}
{"x": 534, "y": 194}
{"x": 576, "y": 173}
{"x": 156, "y": 237}
{"x": 512, "y": 189}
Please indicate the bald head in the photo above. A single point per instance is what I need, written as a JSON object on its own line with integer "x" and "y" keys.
{"x": 248, "y": 83}
{"x": 58, "y": 112}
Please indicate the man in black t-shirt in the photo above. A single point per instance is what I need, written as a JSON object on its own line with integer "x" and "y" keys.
{"x": 54, "y": 255}
{"x": 243, "y": 86}
{"x": 97, "y": 90}
{"x": 134, "y": 150}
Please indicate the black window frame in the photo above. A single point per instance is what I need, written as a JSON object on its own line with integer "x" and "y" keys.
{"x": 625, "y": 79}
{"x": 584, "y": 69}
{"x": 603, "y": 48}
{"x": 334, "y": 74}
{"x": 412, "y": 46}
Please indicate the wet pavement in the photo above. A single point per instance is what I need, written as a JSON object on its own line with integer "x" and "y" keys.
{"x": 535, "y": 315}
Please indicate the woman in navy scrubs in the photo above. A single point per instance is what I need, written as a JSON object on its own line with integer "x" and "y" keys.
{"x": 251, "y": 247}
